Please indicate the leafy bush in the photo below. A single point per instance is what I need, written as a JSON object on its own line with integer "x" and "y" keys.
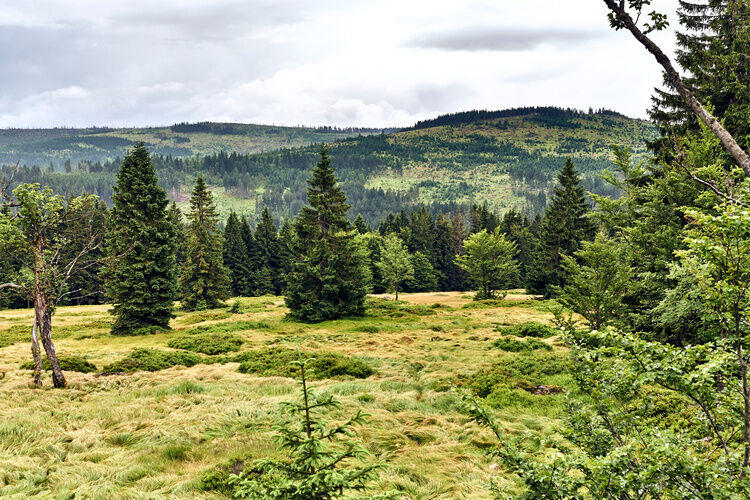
{"x": 217, "y": 478}
{"x": 235, "y": 326}
{"x": 275, "y": 362}
{"x": 151, "y": 360}
{"x": 201, "y": 316}
{"x": 367, "y": 329}
{"x": 529, "y": 329}
{"x": 67, "y": 363}
{"x": 207, "y": 343}
{"x": 513, "y": 345}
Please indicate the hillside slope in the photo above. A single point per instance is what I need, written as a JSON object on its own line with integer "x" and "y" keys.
{"x": 56, "y": 146}
{"x": 507, "y": 159}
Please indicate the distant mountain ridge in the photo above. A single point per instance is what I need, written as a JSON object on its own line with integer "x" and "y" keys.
{"x": 507, "y": 159}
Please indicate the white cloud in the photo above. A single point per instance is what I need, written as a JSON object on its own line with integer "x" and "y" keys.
{"x": 337, "y": 62}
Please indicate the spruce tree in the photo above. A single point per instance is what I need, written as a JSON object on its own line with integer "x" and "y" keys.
{"x": 204, "y": 281}
{"x": 360, "y": 225}
{"x": 330, "y": 277}
{"x": 235, "y": 257}
{"x": 564, "y": 226}
{"x": 253, "y": 257}
{"x": 286, "y": 250}
{"x": 174, "y": 214}
{"x": 267, "y": 244}
{"x": 713, "y": 42}
{"x": 140, "y": 278}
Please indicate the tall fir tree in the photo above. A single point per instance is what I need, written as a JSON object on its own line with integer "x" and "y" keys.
{"x": 174, "y": 214}
{"x": 204, "y": 281}
{"x": 235, "y": 257}
{"x": 564, "y": 226}
{"x": 140, "y": 278}
{"x": 286, "y": 250}
{"x": 713, "y": 42}
{"x": 330, "y": 277}
{"x": 267, "y": 244}
{"x": 253, "y": 255}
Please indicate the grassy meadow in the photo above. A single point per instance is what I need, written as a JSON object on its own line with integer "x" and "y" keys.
{"x": 166, "y": 433}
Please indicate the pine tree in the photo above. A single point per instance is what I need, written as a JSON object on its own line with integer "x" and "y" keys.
{"x": 564, "y": 226}
{"x": 712, "y": 48}
{"x": 330, "y": 277}
{"x": 267, "y": 244}
{"x": 140, "y": 278}
{"x": 204, "y": 281}
{"x": 174, "y": 214}
{"x": 360, "y": 225}
{"x": 235, "y": 257}
{"x": 253, "y": 255}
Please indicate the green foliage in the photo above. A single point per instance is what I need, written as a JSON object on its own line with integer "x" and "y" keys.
{"x": 151, "y": 360}
{"x": 488, "y": 260}
{"x": 394, "y": 264}
{"x": 141, "y": 279}
{"x": 204, "y": 280}
{"x": 330, "y": 277}
{"x": 275, "y": 361}
{"x": 319, "y": 455}
{"x": 529, "y": 329}
{"x": 207, "y": 343}
{"x": 597, "y": 280}
{"x": 564, "y": 226}
{"x": 425, "y": 278}
{"x": 513, "y": 345}
{"x": 67, "y": 363}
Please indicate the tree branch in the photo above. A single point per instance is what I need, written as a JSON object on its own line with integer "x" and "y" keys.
{"x": 673, "y": 77}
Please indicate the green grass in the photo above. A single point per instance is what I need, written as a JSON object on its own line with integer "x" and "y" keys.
{"x": 176, "y": 431}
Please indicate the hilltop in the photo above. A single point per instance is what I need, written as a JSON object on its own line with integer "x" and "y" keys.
{"x": 99, "y": 144}
{"x": 507, "y": 159}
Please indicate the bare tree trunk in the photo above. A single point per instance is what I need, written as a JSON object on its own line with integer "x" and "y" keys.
{"x": 45, "y": 331}
{"x": 740, "y": 157}
{"x": 36, "y": 352}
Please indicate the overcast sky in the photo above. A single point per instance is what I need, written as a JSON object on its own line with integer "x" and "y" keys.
{"x": 312, "y": 62}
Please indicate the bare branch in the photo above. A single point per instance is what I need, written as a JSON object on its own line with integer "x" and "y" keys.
{"x": 673, "y": 77}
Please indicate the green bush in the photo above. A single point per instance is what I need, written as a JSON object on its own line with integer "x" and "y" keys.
{"x": 207, "y": 343}
{"x": 151, "y": 360}
{"x": 67, "y": 363}
{"x": 235, "y": 326}
{"x": 146, "y": 330}
{"x": 201, "y": 316}
{"x": 275, "y": 361}
{"x": 513, "y": 345}
{"x": 367, "y": 329}
{"x": 529, "y": 329}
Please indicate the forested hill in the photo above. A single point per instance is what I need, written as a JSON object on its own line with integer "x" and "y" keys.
{"x": 506, "y": 159}
{"x": 60, "y": 145}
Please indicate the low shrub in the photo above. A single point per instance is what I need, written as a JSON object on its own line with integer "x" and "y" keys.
{"x": 367, "y": 329}
{"x": 528, "y": 329}
{"x": 236, "y": 326}
{"x": 201, "y": 316}
{"x": 67, "y": 363}
{"x": 207, "y": 343}
{"x": 513, "y": 345}
{"x": 275, "y": 361}
{"x": 151, "y": 360}
{"x": 217, "y": 478}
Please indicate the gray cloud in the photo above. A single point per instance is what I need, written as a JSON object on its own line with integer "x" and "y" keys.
{"x": 501, "y": 39}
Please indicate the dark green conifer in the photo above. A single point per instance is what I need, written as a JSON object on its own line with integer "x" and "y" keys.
{"x": 235, "y": 257}
{"x": 330, "y": 277}
{"x": 360, "y": 225}
{"x": 140, "y": 278}
{"x": 267, "y": 244}
{"x": 204, "y": 281}
{"x": 174, "y": 214}
{"x": 564, "y": 226}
